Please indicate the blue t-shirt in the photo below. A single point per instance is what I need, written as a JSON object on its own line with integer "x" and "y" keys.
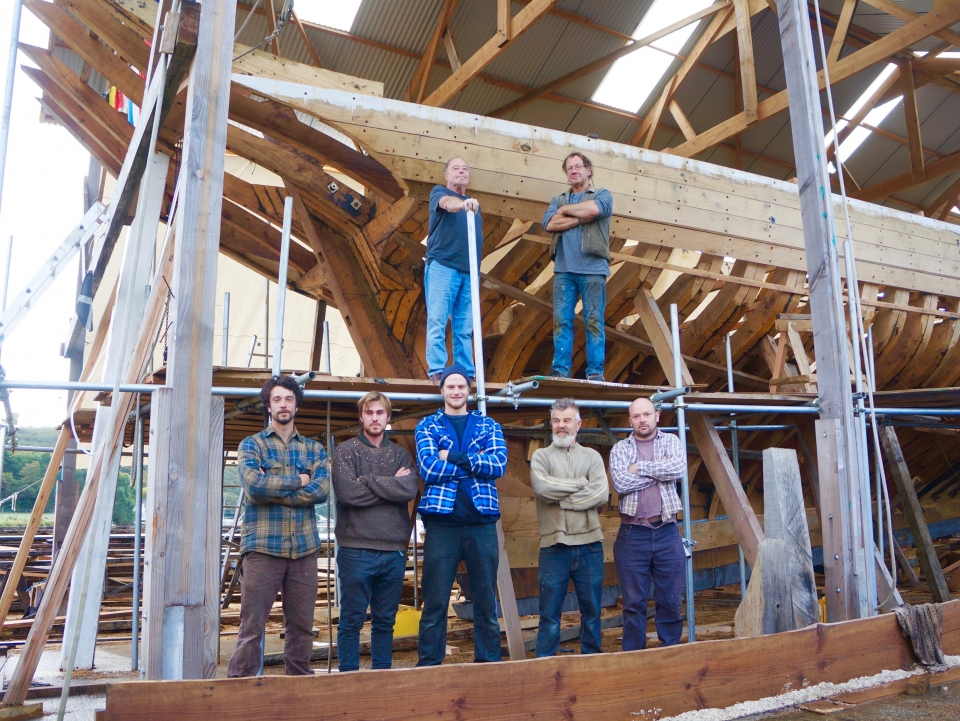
{"x": 570, "y": 257}
{"x": 447, "y": 242}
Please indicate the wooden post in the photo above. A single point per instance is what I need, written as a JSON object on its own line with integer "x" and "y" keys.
{"x": 847, "y": 595}
{"x": 784, "y": 517}
{"x": 167, "y": 646}
{"x": 926, "y": 553}
{"x": 175, "y": 643}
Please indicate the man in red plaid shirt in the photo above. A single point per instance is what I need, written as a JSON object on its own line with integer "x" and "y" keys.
{"x": 645, "y": 468}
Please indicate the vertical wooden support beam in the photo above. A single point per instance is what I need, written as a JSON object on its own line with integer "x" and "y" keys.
{"x": 214, "y": 542}
{"x": 503, "y": 21}
{"x": 843, "y": 27}
{"x": 926, "y": 553}
{"x": 715, "y": 458}
{"x": 784, "y": 517}
{"x": 272, "y": 26}
{"x": 912, "y": 118}
{"x": 182, "y": 469}
{"x": 316, "y": 354}
{"x": 656, "y": 113}
{"x": 840, "y": 474}
{"x": 748, "y": 75}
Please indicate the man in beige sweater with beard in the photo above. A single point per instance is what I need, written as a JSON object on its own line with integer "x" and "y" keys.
{"x": 570, "y": 484}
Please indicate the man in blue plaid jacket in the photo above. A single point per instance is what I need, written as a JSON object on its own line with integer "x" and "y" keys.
{"x": 460, "y": 455}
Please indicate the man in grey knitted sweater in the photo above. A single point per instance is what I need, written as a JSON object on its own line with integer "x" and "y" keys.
{"x": 373, "y": 480}
{"x": 570, "y": 484}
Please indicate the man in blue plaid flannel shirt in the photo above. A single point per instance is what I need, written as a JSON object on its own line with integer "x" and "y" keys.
{"x": 284, "y": 476}
{"x": 460, "y": 455}
{"x": 645, "y": 468}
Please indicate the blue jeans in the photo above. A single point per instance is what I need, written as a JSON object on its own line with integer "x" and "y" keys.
{"x": 558, "y": 564}
{"x": 568, "y": 288}
{"x": 641, "y": 554}
{"x": 368, "y": 578}
{"x": 448, "y": 297}
{"x": 443, "y": 549}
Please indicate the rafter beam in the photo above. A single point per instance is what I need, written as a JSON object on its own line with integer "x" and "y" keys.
{"x": 943, "y": 204}
{"x": 900, "y": 12}
{"x": 685, "y": 127}
{"x": 707, "y": 37}
{"x": 607, "y": 59}
{"x": 519, "y": 24}
{"x": 840, "y": 34}
{"x": 941, "y": 16}
{"x": 912, "y": 117}
{"x": 748, "y": 75}
{"x": 306, "y": 40}
{"x": 421, "y": 77}
{"x": 937, "y": 169}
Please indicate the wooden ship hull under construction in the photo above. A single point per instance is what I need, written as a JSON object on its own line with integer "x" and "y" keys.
{"x": 726, "y": 246}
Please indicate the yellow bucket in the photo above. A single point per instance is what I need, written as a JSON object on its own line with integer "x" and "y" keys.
{"x": 407, "y": 623}
{"x": 823, "y": 609}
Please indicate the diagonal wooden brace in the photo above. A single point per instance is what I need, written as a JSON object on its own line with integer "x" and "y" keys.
{"x": 744, "y": 520}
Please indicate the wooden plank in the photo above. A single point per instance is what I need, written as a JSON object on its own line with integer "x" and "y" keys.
{"x": 767, "y": 607}
{"x": 504, "y": 28}
{"x": 784, "y": 517}
{"x": 212, "y": 542}
{"x": 706, "y": 437}
{"x": 926, "y": 553}
{"x": 508, "y": 599}
{"x": 99, "y": 17}
{"x": 912, "y": 119}
{"x": 675, "y": 679}
{"x": 97, "y": 54}
{"x": 272, "y": 26}
{"x": 488, "y": 52}
{"x": 748, "y": 76}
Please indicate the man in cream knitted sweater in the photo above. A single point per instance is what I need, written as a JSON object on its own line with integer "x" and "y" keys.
{"x": 570, "y": 484}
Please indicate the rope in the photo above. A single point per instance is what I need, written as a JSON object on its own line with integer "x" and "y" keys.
{"x": 282, "y": 20}
{"x": 853, "y": 296}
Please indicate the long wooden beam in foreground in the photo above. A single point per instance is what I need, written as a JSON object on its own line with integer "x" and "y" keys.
{"x": 638, "y": 684}
{"x": 659, "y": 199}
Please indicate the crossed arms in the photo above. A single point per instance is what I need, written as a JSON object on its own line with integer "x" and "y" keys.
{"x": 263, "y": 482}
{"x": 573, "y": 494}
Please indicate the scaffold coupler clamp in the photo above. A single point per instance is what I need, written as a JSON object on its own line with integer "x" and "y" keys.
{"x": 688, "y": 547}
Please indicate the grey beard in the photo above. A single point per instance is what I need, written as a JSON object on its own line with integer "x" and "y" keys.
{"x": 564, "y": 441}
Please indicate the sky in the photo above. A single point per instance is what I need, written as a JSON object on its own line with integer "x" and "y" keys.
{"x": 42, "y": 202}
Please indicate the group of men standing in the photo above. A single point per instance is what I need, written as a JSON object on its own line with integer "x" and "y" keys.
{"x": 459, "y": 456}
{"x": 460, "y": 453}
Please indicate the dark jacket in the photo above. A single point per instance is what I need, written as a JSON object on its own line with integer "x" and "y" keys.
{"x": 372, "y": 501}
{"x": 596, "y": 233}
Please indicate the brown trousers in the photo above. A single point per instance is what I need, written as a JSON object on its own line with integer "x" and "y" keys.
{"x": 263, "y": 577}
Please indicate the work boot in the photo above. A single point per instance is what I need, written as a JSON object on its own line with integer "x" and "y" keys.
{"x": 596, "y": 377}
{"x": 557, "y": 374}
{"x": 435, "y": 377}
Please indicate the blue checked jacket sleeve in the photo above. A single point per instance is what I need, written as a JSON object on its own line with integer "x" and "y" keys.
{"x": 433, "y": 469}
{"x": 491, "y": 462}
